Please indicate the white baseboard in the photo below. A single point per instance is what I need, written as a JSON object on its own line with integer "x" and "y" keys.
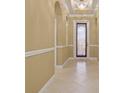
{"x": 80, "y": 58}
{"x": 46, "y": 85}
{"x": 51, "y": 79}
{"x": 61, "y": 66}
{"x": 93, "y": 58}
{"x": 86, "y": 58}
{"x": 66, "y": 61}
{"x": 58, "y": 66}
{"x": 71, "y": 58}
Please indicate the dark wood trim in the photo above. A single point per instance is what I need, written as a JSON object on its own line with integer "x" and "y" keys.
{"x": 85, "y": 40}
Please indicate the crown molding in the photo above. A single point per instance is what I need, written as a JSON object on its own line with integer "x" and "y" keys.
{"x": 81, "y": 15}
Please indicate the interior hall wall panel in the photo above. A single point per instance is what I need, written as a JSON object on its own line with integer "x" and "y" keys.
{"x": 61, "y": 31}
{"x": 39, "y": 34}
{"x": 93, "y": 33}
{"x": 62, "y": 55}
{"x": 38, "y": 70}
{"x": 70, "y": 32}
{"x": 70, "y": 51}
{"x": 94, "y": 51}
{"x": 39, "y": 26}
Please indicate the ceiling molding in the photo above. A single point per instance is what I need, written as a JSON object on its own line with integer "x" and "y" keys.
{"x": 81, "y": 15}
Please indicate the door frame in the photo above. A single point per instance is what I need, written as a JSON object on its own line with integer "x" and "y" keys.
{"x": 85, "y": 40}
{"x": 74, "y": 37}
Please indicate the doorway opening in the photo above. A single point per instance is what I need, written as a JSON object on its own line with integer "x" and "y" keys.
{"x": 81, "y": 39}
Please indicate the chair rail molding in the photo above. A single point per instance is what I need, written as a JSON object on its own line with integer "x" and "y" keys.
{"x": 37, "y": 52}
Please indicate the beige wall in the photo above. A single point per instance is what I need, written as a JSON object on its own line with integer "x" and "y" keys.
{"x": 70, "y": 31}
{"x": 93, "y": 32}
{"x": 63, "y": 55}
{"x": 70, "y": 36}
{"x": 39, "y": 35}
{"x": 39, "y": 69}
{"x": 63, "y": 52}
{"x": 39, "y": 22}
{"x": 94, "y": 51}
{"x": 61, "y": 31}
{"x": 71, "y": 51}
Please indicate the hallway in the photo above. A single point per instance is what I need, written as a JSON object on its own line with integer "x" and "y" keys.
{"x": 77, "y": 76}
{"x": 62, "y": 46}
{"x": 57, "y": 31}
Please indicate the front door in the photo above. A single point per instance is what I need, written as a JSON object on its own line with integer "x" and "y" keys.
{"x": 81, "y": 39}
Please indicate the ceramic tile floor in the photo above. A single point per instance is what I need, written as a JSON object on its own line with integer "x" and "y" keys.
{"x": 76, "y": 77}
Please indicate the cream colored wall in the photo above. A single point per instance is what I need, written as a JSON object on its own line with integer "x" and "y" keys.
{"x": 63, "y": 49}
{"x": 39, "y": 22}
{"x": 61, "y": 31}
{"x": 71, "y": 51}
{"x": 39, "y": 69}
{"x": 70, "y": 31}
{"x": 63, "y": 55}
{"x": 93, "y": 34}
{"x": 70, "y": 36}
{"x": 39, "y": 32}
{"x": 94, "y": 51}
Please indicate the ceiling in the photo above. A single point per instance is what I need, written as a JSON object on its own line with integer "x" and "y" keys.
{"x": 81, "y": 6}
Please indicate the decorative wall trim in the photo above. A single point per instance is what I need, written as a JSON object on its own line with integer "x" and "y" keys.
{"x": 63, "y": 46}
{"x": 46, "y": 85}
{"x": 55, "y": 39}
{"x": 93, "y": 58}
{"x": 66, "y": 33}
{"x": 71, "y": 45}
{"x": 61, "y": 66}
{"x": 77, "y": 58}
{"x": 81, "y": 15}
{"x": 85, "y": 58}
{"x": 37, "y": 52}
{"x": 93, "y": 45}
{"x": 58, "y": 67}
{"x": 70, "y": 58}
